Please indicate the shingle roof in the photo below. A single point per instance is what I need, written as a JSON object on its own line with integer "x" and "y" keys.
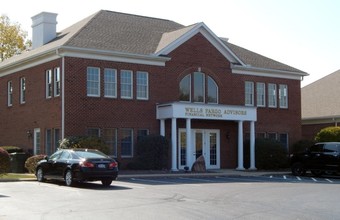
{"x": 133, "y": 34}
{"x": 321, "y": 99}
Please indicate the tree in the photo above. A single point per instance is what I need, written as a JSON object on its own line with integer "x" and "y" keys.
{"x": 12, "y": 38}
{"x": 328, "y": 134}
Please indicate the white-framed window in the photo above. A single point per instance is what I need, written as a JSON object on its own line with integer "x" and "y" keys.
{"x": 272, "y": 136}
{"x": 142, "y": 83}
{"x": 283, "y": 138}
{"x": 56, "y": 81}
{"x": 185, "y": 89}
{"x": 93, "y": 132}
{"x": 212, "y": 91}
{"x": 110, "y": 83}
{"x": 56, "y": 139}
{"x": 283, "y": 96}
{"x": 126, "y": 142}
{"x": 9, "y": 93}
{"x": 199, "y": 87}
{"x": 126, "y": 89}
{"x": 249, "y": 93}
{"x": 93, "y": 81}
{"x": 272, "y": 95}
{"x": 48, "y": 83}
{"x": 141, "y": 133}
{"x": 48, "y": 142}
{"x": 110, "y": 138}
{"x": 261, "y": 94}
{"x": 22, "y": 90}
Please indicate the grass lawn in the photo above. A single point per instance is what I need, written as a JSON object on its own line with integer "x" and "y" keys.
{"x": 17, "y": 176}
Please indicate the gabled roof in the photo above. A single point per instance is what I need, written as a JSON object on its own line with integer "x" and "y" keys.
{"x": 138, "y": 37}
{"x": 321, "y": 99}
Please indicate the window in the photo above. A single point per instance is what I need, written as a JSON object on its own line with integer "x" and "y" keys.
{"x": 272, "y": 136}
{"x": 249, "y": 93}
{"x": 22, "y": 90}
{"x": 199, "y": 88}
{"x": 184, "y": 89}
{"x": 9, "y": 93}
{"x": 57, "y": 81}
{"x": 93, "y": 132}
{"x": 284, "y": 140}
{"x": 142, "y": 133}
{"x": 261, "y": 94}
{"x": 283, "y": 96}
{"x": 212, "y": 91}
{"x": 93, "y": 81}
{"x": 272, "y": 95}
{"x": 56, "y": 139}
{"x": 110, "y": 138}
{"x": 126, "y": 84}
{"x": 110, "y": 83}
{"x": 48, "y": 83}
{"x": 142, "y": 85}
{"x": 48, "y": 144}
{"x": 126, "y": 142}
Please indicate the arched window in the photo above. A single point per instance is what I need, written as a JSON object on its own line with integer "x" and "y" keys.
{"x": 198, "y": 88}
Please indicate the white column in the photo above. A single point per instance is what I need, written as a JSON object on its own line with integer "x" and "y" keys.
{"x": 240, "y": 146}
{"x": 162, "y": 131}
{"x": 174, "y": 145}
{"x": 252, "y": 146}
{"x": 188, "y": 143}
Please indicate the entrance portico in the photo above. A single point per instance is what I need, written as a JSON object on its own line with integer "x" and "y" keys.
{"x": 189, "y": 111}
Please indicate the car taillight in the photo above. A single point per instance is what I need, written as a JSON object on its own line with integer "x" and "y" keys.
{"x": 113, "y": 165}
{"x": 86, "y": 164}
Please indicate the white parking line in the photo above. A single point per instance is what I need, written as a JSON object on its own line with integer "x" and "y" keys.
{"x": 314, "y": 179}
{"x": 128, "y": 185}
{"x": 329, "y": 180}
{"x": 284, "y": 177}
{"x": 298, "y": 178}
{"x": 153, "y": 181}
{"x": 203, "y": 180}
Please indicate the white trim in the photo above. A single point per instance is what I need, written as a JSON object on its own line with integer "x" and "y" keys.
{"x": 254, "y": 71}
{"x": 209, "y": 35}
{"x": 62, "y": 98}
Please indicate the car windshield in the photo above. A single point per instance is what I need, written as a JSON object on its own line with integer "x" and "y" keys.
{"x": 90, "y": 154}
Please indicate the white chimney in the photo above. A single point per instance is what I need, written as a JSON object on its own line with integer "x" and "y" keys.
{"x": 44, "y": 28}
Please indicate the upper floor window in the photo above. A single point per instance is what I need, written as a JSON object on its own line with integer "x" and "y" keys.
{"x": 142, "y": 85}
{"x": 261, "y": 94}
{"x": 22, "y": 90}
{"x": 93, "y": 81}
{"x": 272, "y": 95}
{"x": 283, "y": 96}
{"x": 9, "y": 93}
{"x": 126, "y": 84}
{"x": 249, "y": 93}
{"x": 48, "y": 83}
{"x": 110, "y": 83}
{"x": 197, "y": 87}
{"x": 57, "y": 81}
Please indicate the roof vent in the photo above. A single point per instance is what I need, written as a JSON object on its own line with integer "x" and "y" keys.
{"x": 44, "y": 28}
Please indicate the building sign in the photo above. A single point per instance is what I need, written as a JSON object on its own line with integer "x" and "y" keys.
{"x": 212, "y": 112}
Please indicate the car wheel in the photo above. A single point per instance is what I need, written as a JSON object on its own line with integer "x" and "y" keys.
{"x": 40, "y": 175}
{"x": 69, "y": 178}
{"x": 317, "y": 172}
{"x": 298, "y": 170}
{"x": 106, "y": 182}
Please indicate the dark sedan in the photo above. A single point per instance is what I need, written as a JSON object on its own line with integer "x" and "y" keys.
{"x": 78, "y": 165}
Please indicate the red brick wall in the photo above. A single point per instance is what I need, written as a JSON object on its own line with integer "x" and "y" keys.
{"x": 37, "y": 112}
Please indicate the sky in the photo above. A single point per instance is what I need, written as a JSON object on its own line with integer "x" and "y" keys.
{"x": 304, "y": 34}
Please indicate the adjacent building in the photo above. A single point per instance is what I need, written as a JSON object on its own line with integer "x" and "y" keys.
{"x": 320, "y": 105}
{"x": 122, "y": 76}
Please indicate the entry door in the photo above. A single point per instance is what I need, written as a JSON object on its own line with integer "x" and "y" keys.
{"x": 207, "y": 143}
{"x": 36, "y": 141}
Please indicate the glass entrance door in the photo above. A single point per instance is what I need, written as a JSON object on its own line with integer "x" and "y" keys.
{"x": 204, "y": 142}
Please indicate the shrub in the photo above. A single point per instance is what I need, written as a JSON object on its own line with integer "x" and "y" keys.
{"x": 269, "y": 154}
{"x": 12, "y": 149}
{"x": 152, "y": 153}
{"x": 31, "y": 162}
{"x": 301, "y": 146}
{"x": 84, "y": 142}
{"x": 328, "y": 134}
{"x": 5, "y": 164}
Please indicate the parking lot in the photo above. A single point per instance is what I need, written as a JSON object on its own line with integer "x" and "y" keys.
{"x": 272, "y": 196}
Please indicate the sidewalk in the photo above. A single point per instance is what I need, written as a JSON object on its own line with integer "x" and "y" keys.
{"x": 125, "y": 174}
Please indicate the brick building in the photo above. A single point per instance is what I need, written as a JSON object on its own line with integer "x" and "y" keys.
{"x": 121, "y": 76}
